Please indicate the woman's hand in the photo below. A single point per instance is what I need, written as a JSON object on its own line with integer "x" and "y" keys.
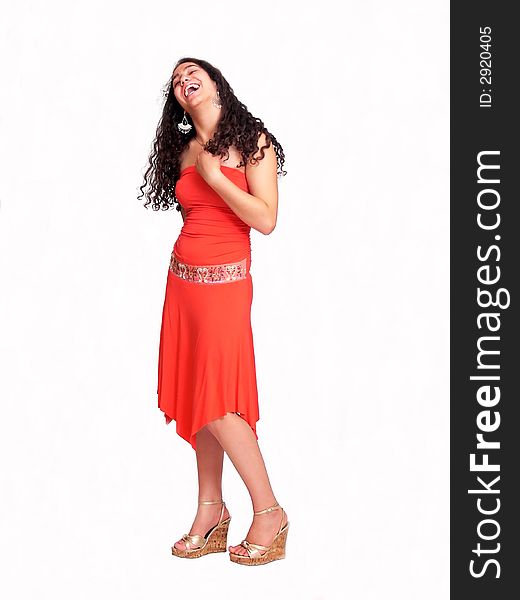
{"x": 208, "y": 166}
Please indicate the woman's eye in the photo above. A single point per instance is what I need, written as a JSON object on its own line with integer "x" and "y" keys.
{"x": 178, "y": 80}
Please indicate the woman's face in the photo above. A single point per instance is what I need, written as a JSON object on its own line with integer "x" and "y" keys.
{"x": 192, "y": 85}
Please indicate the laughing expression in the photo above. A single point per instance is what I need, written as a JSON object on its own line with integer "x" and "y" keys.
{"x": 191, "y": 83}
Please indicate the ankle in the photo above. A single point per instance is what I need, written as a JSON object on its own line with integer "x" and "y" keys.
{"x": 210, "y": 499}
{"x": 266, "y": 508}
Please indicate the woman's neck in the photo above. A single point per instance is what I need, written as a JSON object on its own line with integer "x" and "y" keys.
{"x": 206, "y": 121}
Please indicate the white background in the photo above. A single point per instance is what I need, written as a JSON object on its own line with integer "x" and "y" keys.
{"x": 350, "y": 308}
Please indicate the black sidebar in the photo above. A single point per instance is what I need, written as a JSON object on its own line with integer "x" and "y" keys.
{"x": 484, "y": 297}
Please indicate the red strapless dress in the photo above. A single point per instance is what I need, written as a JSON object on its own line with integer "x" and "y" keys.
{"x": 206, "y": 353}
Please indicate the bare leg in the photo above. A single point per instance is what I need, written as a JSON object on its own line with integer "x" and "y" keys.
{"x": 210, "y": 457}
{"x": 236, "y": 437}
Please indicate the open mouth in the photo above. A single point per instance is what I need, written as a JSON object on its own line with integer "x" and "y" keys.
{"x": 190, "y": 89}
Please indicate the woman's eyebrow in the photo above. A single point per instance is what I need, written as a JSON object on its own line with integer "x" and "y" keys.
{"x": 177, "y": 75}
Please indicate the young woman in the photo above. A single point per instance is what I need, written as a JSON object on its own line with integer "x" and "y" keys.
{"x": 219, "y": 166}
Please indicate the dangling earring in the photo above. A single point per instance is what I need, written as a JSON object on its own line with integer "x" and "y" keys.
{"x": 216, "y": 101}
{"x": 184, "y": 126}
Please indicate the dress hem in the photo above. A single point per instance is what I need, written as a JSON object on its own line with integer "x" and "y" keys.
{"x": 191, "y": 438}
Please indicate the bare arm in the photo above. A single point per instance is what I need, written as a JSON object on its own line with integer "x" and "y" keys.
{"x": 259, "y": 208}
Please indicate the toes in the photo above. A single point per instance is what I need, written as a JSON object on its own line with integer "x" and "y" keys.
{"x": 238, "y": 549}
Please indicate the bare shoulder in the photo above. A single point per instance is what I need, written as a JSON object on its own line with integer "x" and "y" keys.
{"x": 264, "y": 162}
{"x": 262, "y": 177}
{"x": 264, "y": 147}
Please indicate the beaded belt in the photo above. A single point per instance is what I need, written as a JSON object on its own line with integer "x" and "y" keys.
{"x": 223, "y": 273}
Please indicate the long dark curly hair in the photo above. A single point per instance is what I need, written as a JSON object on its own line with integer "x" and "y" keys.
{"x": 237, "y": 127}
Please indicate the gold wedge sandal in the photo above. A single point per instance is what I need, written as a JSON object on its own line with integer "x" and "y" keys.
{"x": 215, "y": 539}
{"x": 261, "y": 555}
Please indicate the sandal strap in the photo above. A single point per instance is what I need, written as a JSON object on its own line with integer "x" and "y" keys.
{"x": 254, "y": 549}
{"x": 197, "y": 541}
{"x": 281, "y": 522}
{"x": 269, "y": 509}
{"x": 216, "y": 502}
{"x": 257, "y": 550}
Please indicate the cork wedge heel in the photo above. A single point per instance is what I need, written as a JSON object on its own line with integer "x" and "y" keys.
{"x": 261, "y": 555}
{"x": 215, "y": 539}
